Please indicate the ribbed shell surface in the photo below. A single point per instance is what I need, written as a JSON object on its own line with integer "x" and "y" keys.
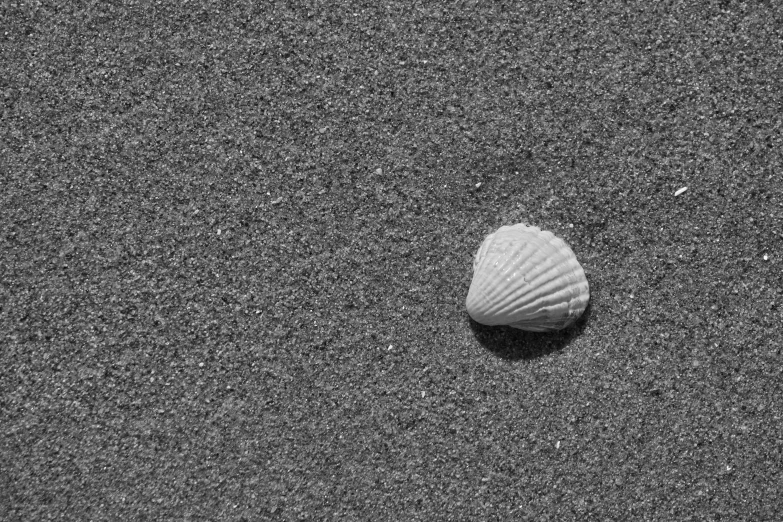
{"x": 528, "y": 279}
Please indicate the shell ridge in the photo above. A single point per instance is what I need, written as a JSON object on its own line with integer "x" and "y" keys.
{"x": 500, "y": 292}
{"x": 567, "y": 270}
{"x": 540, "y": 288}
{"x": 535, "y": 288}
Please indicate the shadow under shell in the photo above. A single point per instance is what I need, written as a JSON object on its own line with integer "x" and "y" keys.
{"x": 513, "y": 344}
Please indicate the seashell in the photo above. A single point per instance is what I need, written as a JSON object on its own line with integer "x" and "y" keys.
{"x": 526, "y": 278}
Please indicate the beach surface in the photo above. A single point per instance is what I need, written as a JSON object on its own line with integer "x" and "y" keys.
{"x": 236, "y": 242}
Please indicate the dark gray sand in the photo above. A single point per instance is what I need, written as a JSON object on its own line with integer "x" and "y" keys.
{"x": 236, "y": 243}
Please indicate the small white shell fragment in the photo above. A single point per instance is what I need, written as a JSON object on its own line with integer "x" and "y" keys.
{"x": 528, "y": 279}
{"x": 680, "y": 191}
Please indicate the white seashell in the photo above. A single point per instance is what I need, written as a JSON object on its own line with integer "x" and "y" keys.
{"x": 526, "y": 278}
